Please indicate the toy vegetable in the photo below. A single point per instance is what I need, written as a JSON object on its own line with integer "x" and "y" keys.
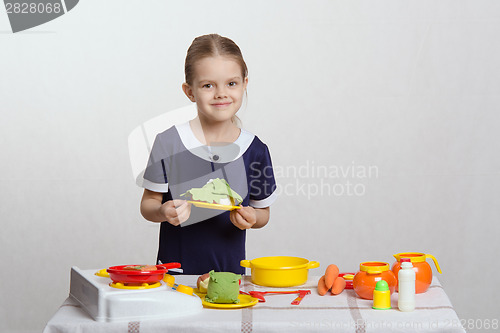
{"x": 331, "y": 281}
{"x": 223, "y": 287}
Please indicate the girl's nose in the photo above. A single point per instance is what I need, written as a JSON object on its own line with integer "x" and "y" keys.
{"x": 220, "y": 92}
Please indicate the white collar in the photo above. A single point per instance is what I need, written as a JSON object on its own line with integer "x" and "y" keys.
{"x": 216, "y": 154}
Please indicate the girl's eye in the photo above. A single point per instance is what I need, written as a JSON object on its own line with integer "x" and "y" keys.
{"x": 208, "y": 85}
{"x": 232, "y": 84}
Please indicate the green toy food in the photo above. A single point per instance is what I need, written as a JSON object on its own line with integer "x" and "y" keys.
{"x": 215, "y": 191}
{"x": 223, "y": 287}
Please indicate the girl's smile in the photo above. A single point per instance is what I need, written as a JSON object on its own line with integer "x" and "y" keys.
{"x": 221, "y": 104}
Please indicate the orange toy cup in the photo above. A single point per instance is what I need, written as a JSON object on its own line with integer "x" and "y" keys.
{"x": 369, "y": 274}
{"x": 423, "y": 271}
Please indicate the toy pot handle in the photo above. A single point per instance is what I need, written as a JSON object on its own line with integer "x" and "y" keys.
{"x": 312, "y": 264}
{"x": 245, "y": 263}
{"x": 435, "y": 261}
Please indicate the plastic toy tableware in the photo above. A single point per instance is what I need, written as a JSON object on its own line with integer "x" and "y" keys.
{"x": 423, "y": 271}
{"x": 244, "y": 302}
{"x": 102, "y": 273}
{"x": 279, "y": 271}
{"x": 213, "y": 205}
{"x": 348, "y": 277}
{"x": 120, "y": 275}
{"x": 260, "y": 294}
{"x": 406, "y": 285}
{"x": 381, "y": 296}
{"x": 369, "y": 274}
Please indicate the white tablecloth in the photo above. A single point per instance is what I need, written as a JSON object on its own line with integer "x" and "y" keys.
{"x": 342, "y": 313}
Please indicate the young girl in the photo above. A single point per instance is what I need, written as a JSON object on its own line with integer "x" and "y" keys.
{"x": 210, "y": 146}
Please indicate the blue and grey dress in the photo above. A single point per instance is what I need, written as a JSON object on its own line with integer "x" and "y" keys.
{"x": 179, "y": 162}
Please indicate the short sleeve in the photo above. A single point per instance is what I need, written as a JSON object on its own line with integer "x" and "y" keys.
{"x": 155, "y": 175}
{"x": 262, "y": 183}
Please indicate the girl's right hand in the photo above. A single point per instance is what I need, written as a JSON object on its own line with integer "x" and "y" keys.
{"x": 176, "y": 211}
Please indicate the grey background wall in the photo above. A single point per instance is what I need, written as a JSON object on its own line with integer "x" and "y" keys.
{"x": 398, "y": 100}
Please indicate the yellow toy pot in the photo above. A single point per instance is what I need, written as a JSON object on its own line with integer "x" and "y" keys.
{"x": 279, "y": 271}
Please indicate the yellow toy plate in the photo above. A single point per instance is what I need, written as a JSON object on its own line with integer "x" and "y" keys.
{"x": 102, "y": 273}
{"x": 245, "y": 301}
{"x": 213, "y": 206}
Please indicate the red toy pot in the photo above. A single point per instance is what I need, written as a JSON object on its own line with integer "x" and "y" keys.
{"x": 119, "y": 274}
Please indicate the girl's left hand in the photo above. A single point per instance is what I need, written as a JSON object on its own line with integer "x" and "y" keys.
{"x": 243, "y": 218}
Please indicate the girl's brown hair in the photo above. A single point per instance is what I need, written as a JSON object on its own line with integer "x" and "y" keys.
{"x": 210, "y": 46}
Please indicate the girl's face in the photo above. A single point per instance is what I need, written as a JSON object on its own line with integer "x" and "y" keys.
{"x": 217, "y": 88}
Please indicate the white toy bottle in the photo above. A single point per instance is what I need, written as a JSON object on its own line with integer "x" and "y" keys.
{"x": 406, "y": 286}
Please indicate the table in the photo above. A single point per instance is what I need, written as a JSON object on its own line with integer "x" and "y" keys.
{"x": 342, "y": 313}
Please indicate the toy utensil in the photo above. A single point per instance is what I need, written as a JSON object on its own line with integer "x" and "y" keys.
{"x": 302, "y": 294}
{"x": 260, "y": 294}
{"x": 254, "y": 295}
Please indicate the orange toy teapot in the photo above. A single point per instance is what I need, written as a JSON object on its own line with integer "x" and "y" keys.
{"x": 369, "y": 274}
{"x": 423, "y": 271}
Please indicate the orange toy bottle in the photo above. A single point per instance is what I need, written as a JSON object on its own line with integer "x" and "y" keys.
{"x": 423, "y": 271}
{"x": 369, "y": 274}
